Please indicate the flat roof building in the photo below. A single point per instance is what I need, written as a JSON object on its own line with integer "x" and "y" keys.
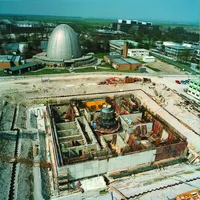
{"x": 138, "y": 53}
{"x": 175, "y": 49}
{"x": 118, "y": 45}
{"x": 22, "y": 68}
{"x": 122, "y": 63}
{"x": 194, "y": 88}
{"x": 7, "y": 61}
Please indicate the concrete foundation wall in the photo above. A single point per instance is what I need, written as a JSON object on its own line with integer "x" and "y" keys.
{"x": 76, "y": 196}
{"x": 90, "y": 133}
{"x": 133, "y": 117}
{"x": 92, "y": 168}
{"x": 149, "y": 127}
{"x": 69, "y": 132}
{"x": 87, "y": 115}
{"x": 67, "y": 125}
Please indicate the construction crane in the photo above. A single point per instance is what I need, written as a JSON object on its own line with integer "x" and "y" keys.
{"x": 26, "y": 161}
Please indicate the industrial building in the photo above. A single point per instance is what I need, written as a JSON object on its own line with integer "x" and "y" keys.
{"x": 126, "y": 64}
{"x": 63, "y": 49}
{"x": 122, "y": 63}
{"x": 194, "y": 88}
{"x": 107, "y": 135}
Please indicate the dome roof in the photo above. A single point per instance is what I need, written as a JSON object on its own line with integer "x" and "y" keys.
{"x": 63, "y": 43}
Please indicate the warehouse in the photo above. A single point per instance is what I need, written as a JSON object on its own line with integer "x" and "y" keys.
{"x": 126, "y": 64}
{"x": 22, "y": 68}
{"x": 122, "y": 63}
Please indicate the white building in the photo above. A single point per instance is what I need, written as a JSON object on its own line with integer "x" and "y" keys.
{"x": 139, "y": 53}
{"x": 118, "y": 45}
{"x": 194, "y": 88}
{"x": 149, "y": 59}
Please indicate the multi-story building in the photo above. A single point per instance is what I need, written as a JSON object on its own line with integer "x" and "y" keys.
{"x": 118, "y": 45}
{"x": 176, "y": 50}
{"x": 139, "y": 53}
{"x": 27, "y": 24}
{"x": 126, "y": 25}
{"x": 194, "y": 88}
{"x": 197, "y": 54}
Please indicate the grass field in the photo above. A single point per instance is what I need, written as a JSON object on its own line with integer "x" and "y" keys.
{"x": 61, "y": 71}
{"x": 89, "y": 69}
{"x": 47, "y": 71}
{"x": 154, "y": 69}
{"x": 62, "y": 19}
{"x": 2, "y": 73}
{"x": 100, "y": 55}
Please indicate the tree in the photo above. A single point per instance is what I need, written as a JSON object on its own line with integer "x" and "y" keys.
{"x": 184, "y": 56}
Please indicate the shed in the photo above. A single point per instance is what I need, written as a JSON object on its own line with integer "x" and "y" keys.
{"x": 22, "y": 68}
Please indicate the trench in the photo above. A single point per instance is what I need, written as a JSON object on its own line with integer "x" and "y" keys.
{"x": 13, "y": 173}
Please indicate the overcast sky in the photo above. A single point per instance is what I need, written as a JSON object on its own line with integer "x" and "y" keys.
{"x": 160, "y": 10}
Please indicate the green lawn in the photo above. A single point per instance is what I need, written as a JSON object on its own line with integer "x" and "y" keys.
{"x": 154, "y": 69}
{"x": 2, "y": 73}
{"x": 61, "y": 71}
{"x": 47, "y": 71}
{"x": 100, "y": 55}
{"x": 106, "y": 65}
{"x": 90, "y": 69}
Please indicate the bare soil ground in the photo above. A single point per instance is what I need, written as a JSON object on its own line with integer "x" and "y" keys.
{"x": 165, "y": 67}
{"x": 88, "y": 83}
{"x": 22, "y": 89}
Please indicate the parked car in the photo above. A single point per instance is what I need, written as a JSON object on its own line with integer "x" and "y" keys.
{"x": 177, "y": 81}
{"x": 183, "y": 82}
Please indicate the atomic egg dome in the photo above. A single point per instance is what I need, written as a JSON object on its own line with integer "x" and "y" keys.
{"x": 63, "y": 49}
{"x": 63, "y": 44}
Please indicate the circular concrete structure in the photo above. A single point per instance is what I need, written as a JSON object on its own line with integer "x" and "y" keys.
{"x": 63, "y": 44}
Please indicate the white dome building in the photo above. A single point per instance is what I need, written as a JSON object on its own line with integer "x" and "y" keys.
{"x": 63, "y": 50}
{"x": 63, "y": 44}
